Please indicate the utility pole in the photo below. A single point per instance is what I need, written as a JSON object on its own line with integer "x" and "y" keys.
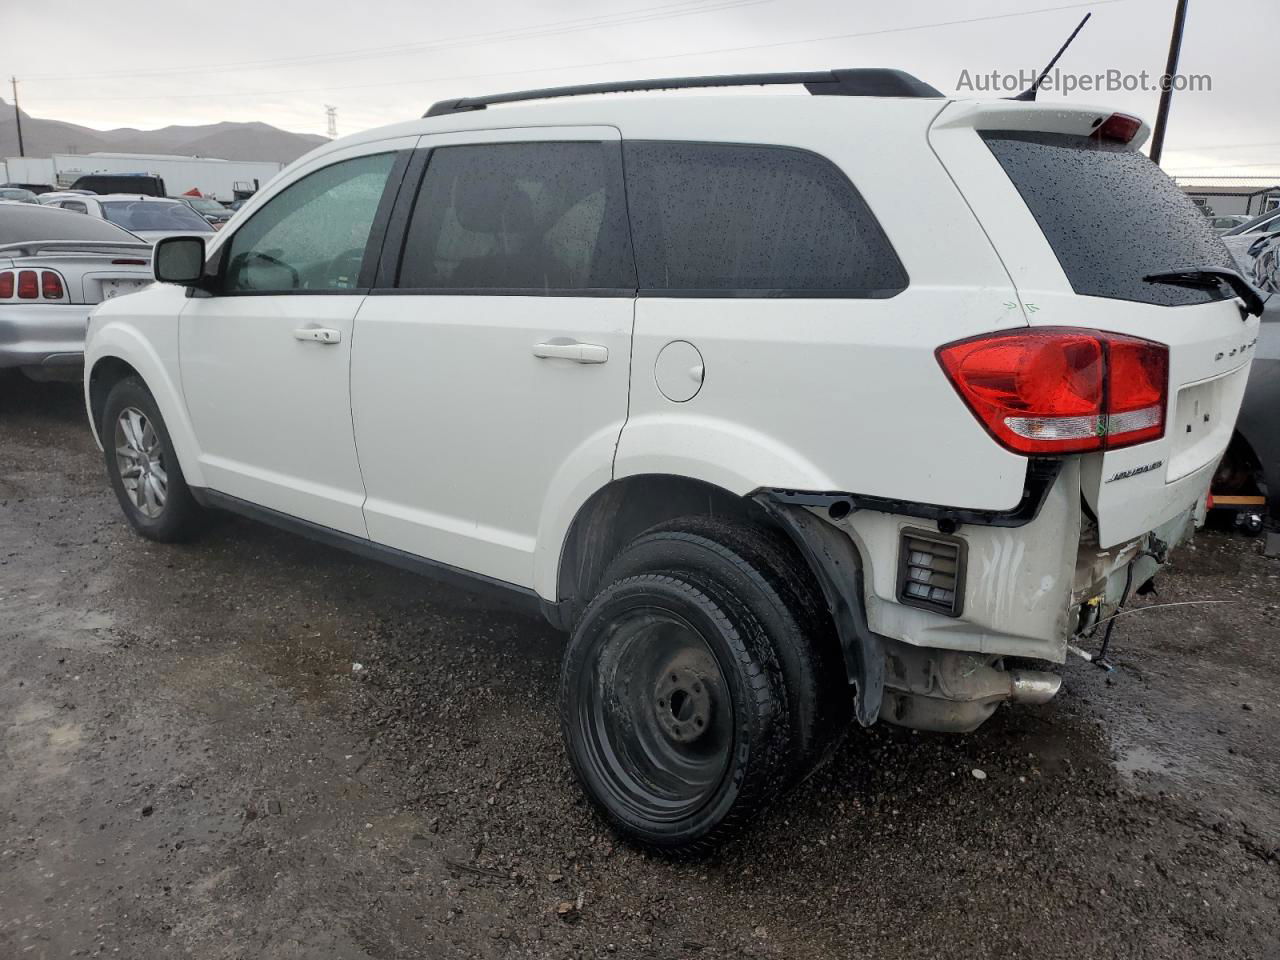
{"x": 331, "y": 114}
{"x": 1166, "y": 82}
{"x": 17, "y": 115}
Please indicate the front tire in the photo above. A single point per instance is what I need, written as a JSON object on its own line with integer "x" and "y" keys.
{"x": 143, "y": 469}
{"x": 673, "y": 714}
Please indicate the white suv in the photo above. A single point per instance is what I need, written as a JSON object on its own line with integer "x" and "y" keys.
{"x": 789, "y": 408}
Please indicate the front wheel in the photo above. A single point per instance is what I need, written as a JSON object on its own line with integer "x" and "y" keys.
{"x": 673, "y": 712}
{"x": 143, "y": 469}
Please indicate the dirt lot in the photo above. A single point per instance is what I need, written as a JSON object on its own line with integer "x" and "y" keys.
{"x": 194, "y": 767}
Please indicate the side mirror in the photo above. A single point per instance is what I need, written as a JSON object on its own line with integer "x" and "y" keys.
{"x": 178, "y": 260}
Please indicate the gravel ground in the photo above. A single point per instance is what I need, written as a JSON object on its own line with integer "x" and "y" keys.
{"x": 194, "y": 767}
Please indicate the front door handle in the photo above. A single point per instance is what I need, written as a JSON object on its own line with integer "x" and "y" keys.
{"x": 318, "y": 334}
{"x": 572, "y": 350}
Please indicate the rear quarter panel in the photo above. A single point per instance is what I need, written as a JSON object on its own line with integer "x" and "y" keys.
{"x": 831, "y": 394}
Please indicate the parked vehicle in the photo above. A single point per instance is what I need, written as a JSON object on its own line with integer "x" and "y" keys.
{"x": 17, "y": 195}
{"x": 211, "y": 210}
{"x": 54, "y": 196}
{"x": 1239, "y": 239}
{"x": 783, "y": 430}
{"x": 135, "y": 183}
{"x": 1247, "y": 482}
{"x": 36, "y": 188}
{"x": 53, "y": 267}
{"x": 148, "y": 217}
{"x": 1228, "y": 222}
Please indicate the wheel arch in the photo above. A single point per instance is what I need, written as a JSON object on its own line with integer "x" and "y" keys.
{"x": 616, "y": 514}
{"x": 119, "y": 352}
{"x": 624, "y": 508}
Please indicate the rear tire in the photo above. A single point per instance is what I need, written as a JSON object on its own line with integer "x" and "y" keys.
{"x": 673, "y": 716}
{"x": 761, "y": 569}
{"x": 143, "y": 468}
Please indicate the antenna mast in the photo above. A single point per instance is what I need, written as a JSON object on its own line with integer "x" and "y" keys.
{"x": 1030, "y": 92}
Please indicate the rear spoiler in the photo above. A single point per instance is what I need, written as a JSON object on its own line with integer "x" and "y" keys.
{"x": 29, "y": 248}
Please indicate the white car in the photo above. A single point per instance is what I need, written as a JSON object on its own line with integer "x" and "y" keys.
{"x": 55, "y": 197}
{"x": 686, "y": 374}
{"x": 54, "y": 266}
{"x": 150, "y": 218}
{"x": 1240, "y": 239}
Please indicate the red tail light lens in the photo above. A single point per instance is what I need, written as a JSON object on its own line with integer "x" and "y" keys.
{"x": 51, "y": 285}
{"x": 1137, "y": 390}
{"x": 28, "y": 288}
{"x": 1119, "y": 127}
{"x": 6, "y": 285}
{"x": 1062, "y": 390}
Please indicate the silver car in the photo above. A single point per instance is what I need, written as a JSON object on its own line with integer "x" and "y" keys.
{"x": 147, "y": 217}
{"x": 54, "y": 266}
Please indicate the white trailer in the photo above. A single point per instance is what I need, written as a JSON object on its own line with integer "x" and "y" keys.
{"x": 34, "y": 170}
{"x": 222, "y": 179}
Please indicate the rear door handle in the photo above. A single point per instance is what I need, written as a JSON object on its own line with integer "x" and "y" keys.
{"x": 318, "y": 334}
{"x": 572, "y": 350}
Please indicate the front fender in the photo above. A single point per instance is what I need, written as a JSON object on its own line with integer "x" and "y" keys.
{"x": 149, "y": 344}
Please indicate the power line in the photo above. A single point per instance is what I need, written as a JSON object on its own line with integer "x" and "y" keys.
{"x": 599, "y": 63}
{"x": 577, "y": 24}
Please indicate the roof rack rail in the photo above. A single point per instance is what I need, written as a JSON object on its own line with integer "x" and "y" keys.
{"x": 855, "y": 82}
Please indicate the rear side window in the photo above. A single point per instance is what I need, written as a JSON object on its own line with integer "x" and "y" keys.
{"x": 729, "y": 219}
{"x": 1111, "y": 216}
{"x": 520, "y": 218}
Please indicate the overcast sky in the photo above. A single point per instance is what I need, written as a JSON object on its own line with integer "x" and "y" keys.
{"x": 149, "y": 63}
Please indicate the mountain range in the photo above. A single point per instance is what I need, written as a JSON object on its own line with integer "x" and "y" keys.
{"x": 229, "y": 141}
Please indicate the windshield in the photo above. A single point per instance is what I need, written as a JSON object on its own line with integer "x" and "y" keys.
{"x": 154, "y": 215}
{"x": 205, "y": 205}
{"x": 26, "y": 196}
{"x": 1268, "y": 223}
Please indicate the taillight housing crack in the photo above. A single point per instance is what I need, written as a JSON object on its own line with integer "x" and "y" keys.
{"x": 1057, "y": 390}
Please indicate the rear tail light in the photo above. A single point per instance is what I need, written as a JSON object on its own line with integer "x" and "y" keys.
{"x": 31, "y": 285}
{"x": 51, "y": 285}
{"x": 1062, "y": 389}
{"x": 1119, "y": 127}
{"x": 28, "y": 288}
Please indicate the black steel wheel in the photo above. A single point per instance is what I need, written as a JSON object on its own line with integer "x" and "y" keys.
{"x": 672, "y": 711}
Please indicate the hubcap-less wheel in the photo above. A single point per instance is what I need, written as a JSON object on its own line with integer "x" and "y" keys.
{"x": 657, "y": 716}
{"x": 140, "y": 460}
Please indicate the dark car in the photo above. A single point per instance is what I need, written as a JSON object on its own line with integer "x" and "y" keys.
{"x": 36, "y": 188}
{"x": 208, "y": 208}
{"x": 1248, "y": 479}
{"x": 137, "y": 183}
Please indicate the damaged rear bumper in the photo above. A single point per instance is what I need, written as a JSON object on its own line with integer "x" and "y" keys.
{"x": 1026, "y": 586}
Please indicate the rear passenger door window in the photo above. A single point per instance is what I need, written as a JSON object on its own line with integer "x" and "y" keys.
{"x": 520, "y": 218}
{"x": 714, "y": 219}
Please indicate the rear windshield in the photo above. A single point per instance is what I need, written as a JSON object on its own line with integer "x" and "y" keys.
{"x": 22, "y": 222}
{"x": 1111, "y": 215}
{"x": 151, "y": 215}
